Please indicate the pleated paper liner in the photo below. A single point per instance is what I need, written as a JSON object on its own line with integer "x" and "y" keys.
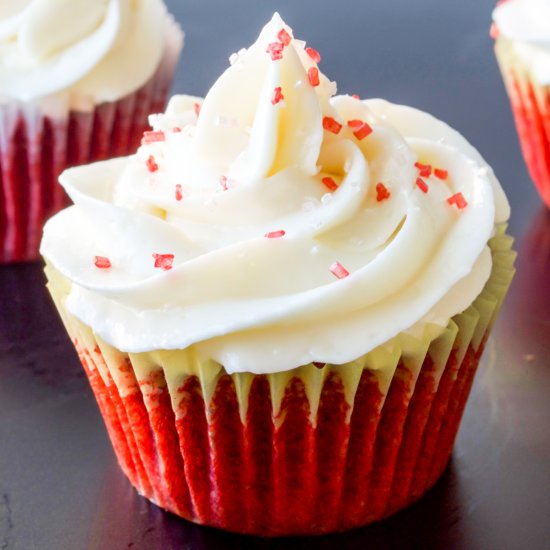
{"x": 35, "y": 148}
{"x": 530, "y": 104}
{"x": 314, "y": 450}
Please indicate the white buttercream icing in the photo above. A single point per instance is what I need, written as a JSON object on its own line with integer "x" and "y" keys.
{"x": 77, "y": 48}
{"x": 527, "y": 24}
{"x": 247, "y": 166}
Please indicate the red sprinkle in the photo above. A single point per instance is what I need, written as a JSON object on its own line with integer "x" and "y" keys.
{"x": 363, "y": 131}
{"x": 102, "y": 262}
{"x": 152, "y": 166}
{"x": 425, "y": 169}
{"x": 422, "y": 185}
{"x": 459, "y": 200}
{"x": 314, "y": 54}
{"x": 275, "y": 50}
{"x": 330, "y": 183}
{"x": 164, "y": 261}
{"x": 176, "y": 129}
{"x": 150, "y": 137}
{"x": 355, "y": 123}
{"x": 179, "y": 194}
{"x": 223, "y": 182}
{"x": 284, "y": 37}
{"x": 197, "y": 108}
{"x": 331, "y": 125}
{"x": 382, "y": 192}
{"x": 338, "y": 270}
{"x": 440, "y": 173}
{"x": 277, "y": 96}
{"x": 494, "y": 32}
{"x": 313, "y": 76}
{"x": 275, "y": 234}
{"x": 355, "y": 96}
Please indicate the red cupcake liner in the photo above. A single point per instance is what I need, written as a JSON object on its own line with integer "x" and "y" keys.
{"x": 531, "y": 109}
{"x": 35, "y": 148}
{"x": 530, "y": 102}
{"x": 319, "y": 449}
{"x": 270, "y": 478}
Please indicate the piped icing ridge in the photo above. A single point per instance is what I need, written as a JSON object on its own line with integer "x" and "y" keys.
{"x": 76, "y": 48}
{"x": 275, "y": 224}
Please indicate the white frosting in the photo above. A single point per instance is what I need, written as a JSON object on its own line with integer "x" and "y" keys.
{"x": 270, "y": 304}
{"x": 527, "y": 24}
{"x": 87, "y": 50}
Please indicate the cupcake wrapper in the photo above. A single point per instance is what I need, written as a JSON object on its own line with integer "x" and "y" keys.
{"x": 531, "y": 109}
{"x": 36, "y": 147}
{"x": 315, "y": 450}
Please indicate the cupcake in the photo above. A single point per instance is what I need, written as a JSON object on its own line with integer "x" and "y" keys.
{"x": 77, "y": 81}
{"x": 281, "y": 300}
{"x": 521, "y": 29}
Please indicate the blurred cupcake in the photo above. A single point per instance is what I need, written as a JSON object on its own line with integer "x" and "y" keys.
{"x": 77, "y": 80}
{"x": 281, "y": 300}
{"x": 521, "y": 29}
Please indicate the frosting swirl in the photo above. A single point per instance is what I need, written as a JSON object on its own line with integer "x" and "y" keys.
{"x": 273, "y": 151}
{"x": 527, "y": 24}
{"x": 53, "y": 46}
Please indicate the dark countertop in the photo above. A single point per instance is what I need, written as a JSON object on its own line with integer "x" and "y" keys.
{"x": 60, "y": 486}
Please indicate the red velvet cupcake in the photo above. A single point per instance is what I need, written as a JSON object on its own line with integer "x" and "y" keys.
{"x": 281, "y": 300}
{"x": 64, "y": 99}
{"x": 521, "y": 30}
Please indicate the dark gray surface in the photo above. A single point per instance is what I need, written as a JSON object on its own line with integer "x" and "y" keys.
{"x": 60, "y": 486}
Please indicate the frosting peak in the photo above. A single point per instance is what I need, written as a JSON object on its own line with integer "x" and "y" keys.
{"x": 273, "y": 224}
{"x": 50, "y": 47}
{"x": 527, "y": 24}
{"x": 265, "y": 135}
{"x": 35, "y": 39}
{"x": 527, "y": 20}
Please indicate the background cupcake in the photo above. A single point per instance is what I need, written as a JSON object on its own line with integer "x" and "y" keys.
{"x": 77, "y": 80}
{"x": 521, "y": 29}
{"x": 281, "y": 300}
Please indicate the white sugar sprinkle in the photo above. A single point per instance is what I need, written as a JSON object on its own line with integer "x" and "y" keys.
{"x": 483, "y": 171}
{"x": 309, "y": 206}
{"x": 326, "y": 198}
{"x": 317, "y": 224}
{"x": 227, "y": 121}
